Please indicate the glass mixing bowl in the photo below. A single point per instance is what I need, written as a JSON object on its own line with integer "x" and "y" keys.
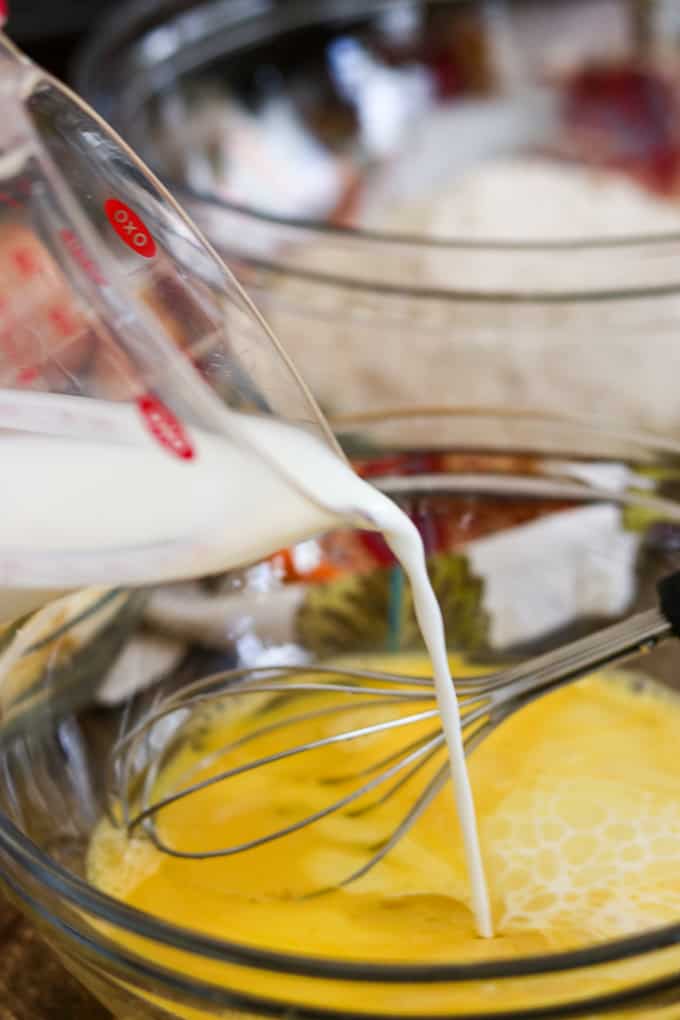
{"x": 320, "y": 145}
{"x": 548, "y": 368}
{"x": 526, "y": 548}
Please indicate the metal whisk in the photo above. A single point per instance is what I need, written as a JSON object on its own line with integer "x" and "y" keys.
{"x": 146, "y": 747}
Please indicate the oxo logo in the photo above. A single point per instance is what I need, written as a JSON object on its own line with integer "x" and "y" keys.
{"x": 129, "y": 227}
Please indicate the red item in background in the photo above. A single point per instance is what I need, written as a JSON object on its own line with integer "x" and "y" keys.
{"x": 633, "y": 105}
{"x": 626, "y": 118}
{"x": 447, "y": 75}
{"x": 377, "y": 547}
{"x": 289, "y": 569}
{"x": 432, "y": 525}
{"x": 416, "y": 463}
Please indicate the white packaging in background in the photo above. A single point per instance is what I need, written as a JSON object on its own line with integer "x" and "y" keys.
{"x": 541, "y": 576}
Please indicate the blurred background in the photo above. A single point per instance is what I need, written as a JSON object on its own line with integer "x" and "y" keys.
{"x": 50, "y": 32}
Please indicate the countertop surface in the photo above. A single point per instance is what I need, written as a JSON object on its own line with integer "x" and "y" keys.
{"x": 33, "y": 984}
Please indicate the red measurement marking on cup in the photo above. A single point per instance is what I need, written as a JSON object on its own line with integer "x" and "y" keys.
{"x": 130, "y": 228}
{"x": 28, "y": 375}
{"x": 26, "y": 262}
{"x": 8, "y": 347}
{"x": 166, "y": 428}
{"x": 75, "y": 248}
{"x": 61, "y": 318}
{"x": 41, "y": 321}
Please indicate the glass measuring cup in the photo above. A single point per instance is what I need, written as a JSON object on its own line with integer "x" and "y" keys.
{"x": 120, "y": 330}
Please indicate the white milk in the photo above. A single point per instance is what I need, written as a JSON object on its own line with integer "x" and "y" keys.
{"x": 79, "y": 512}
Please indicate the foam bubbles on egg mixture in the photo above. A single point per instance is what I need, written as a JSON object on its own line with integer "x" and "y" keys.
{"x": 565, "y": 863}
{"x": 587, "y": 840}
{"x": 118, "y": 862}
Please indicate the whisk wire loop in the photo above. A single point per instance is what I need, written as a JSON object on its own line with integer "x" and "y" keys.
{"x": 145, "y": 747}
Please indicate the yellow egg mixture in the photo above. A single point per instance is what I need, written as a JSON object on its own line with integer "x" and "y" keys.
{"x": 578, "y": 800}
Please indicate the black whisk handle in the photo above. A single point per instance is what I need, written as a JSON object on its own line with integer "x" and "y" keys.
{"x": 668, "y": 590}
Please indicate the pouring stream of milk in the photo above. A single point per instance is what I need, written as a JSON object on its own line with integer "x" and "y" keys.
{"x": 106, "y": 506}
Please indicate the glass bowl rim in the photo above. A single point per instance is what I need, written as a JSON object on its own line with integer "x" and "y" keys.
{"x": 128, "y": 22}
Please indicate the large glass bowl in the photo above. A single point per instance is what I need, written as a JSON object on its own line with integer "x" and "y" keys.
{"x": 549, "y": 371}
{"x": 526, "y": 548}
{"x": 262, "y": 117}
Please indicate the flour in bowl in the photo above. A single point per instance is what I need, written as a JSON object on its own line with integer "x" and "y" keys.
{"x": 405, "y": 325}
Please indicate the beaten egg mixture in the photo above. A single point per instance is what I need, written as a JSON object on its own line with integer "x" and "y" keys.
{"x": 578, "y": 811}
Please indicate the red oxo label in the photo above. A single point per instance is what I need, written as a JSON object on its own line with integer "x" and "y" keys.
{"x": 166, "y": 428}
{"x": 129, "y": 227}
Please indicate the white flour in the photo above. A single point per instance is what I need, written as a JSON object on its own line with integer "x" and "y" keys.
{"x": 539, "y": 200}
{"x": 613, "y": 360}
